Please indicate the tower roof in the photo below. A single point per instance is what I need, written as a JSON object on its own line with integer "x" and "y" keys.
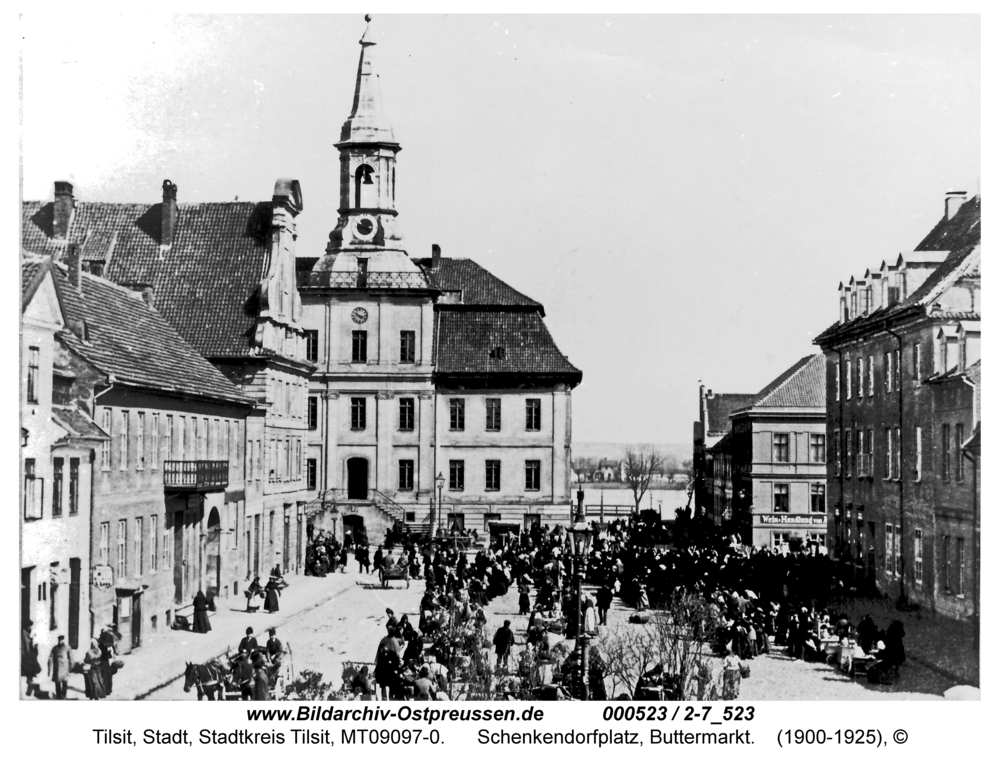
{"x": 367, "y": 123}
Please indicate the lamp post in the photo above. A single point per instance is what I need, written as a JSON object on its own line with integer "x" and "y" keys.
{"x": 435, "y": 522}
{"x": 581, "y": 536}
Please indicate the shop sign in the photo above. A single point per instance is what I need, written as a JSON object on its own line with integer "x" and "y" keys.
{"x": 786, "y": 519}
{"x": 102, "y": 576}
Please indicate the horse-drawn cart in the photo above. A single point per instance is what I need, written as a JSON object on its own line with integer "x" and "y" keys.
{"x": 397, "y": 571}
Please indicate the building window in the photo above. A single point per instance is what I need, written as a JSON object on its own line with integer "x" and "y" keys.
{"x": 457, "y": 414}
{"x": 897, "y": 454}
{"x": 836, "y": 381}
{"x": 123, "y": 441}
{"x": 358, "y": 416}
{"x": 959, "y": 460}
{"x": 140, "y": 440}
{"x": 861, "y": 377}
{"x": 817, "y": 538}
{"x": 887, "y": 367}
{"x": 120, "y": 558}
{"x": 847, "y": 375}
{"x": 781, "y": 498}
{"x": 154, "y": 541}
{"x": 492, "y": 475}
{"x": 918, "y": 453}
{"x": 154, "y": 445}
{"x": 887, "y": 437}
{"x": 311, "y": 473}
{"x": 890, "y": 549}
{"x": 778, "y": 540}
{"x": 74, "y": 485}
{"x": 918, "y": 556}
{"x": 533, "y": 415}
{"x": 837, "y": 458}
{"x": 137, "y": 534}
{"x": 849, "y": 440}
{"x": 406, "y": 413}
{"x": 312, "y": 412}
{"x": 946, "y": 563}
{"x": 532, "y": 475}
{"x": 492, "y": 414}
{"x": 33, "y": 374}
{"x": 871, "y": 375}
{"x": 106, "y": 444}
{"x": 817, "y": 447}
{"x": 897, "y": 370}
{"x": 959, "y": 566}
{"x": 780, "y": 447}
{"x": 33, "y": 490}
{"x": 407, "y": 346}
{"x": 57, "y": 481}
{"x": 406, "y": 475}
{"x": 456, "y": 475}
{"x": 312, "y": 345}
{"x": 359, "y": 346}
{"x": 945, "y": 452}
{"x": 817, "y": 498}
{"x": 104, "y": 545}
{"x": 916, "y": 362}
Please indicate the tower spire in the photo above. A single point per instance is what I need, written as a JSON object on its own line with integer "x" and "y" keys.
{"x": 367, "y": 123}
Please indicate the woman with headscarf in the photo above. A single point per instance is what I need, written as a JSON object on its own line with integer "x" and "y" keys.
{"x": 731, "y": 676}
{"x": 108, "y": 644}
{"x": 201, "y": 623}
{"x": 93, "y": 675}
{"x": 252, "y": 591}
{"x": 272, "y": 593}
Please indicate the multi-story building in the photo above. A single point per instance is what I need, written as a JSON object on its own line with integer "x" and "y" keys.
{"x": 435, "y": 378}
{"x": 165, "y": 473}
{"x": 769, "y": 472}
{"x": 712, "y": 425}
{"x": 903, "y": 380}
{"x": 223, "y": 276}
{"x": 58, "y": 440}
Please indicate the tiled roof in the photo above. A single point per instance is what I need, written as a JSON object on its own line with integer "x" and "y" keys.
{"x": 77, "y": 424}
{"x": 961, "y": 236}
{"x": 721, "y": 406}
{"x": 205, "y": 285}
{"x": 133, "y": 342}
{"x": 33, "y": 269}
{"x": 723, "y": 445}
{"x": 801, "y": 385}
{"x": 464, "y": 341}
{"x": 479, "y": 287}
{"x": 958, "y": 232}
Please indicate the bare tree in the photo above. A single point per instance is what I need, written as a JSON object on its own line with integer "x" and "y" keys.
{"x": 638, "y": 468}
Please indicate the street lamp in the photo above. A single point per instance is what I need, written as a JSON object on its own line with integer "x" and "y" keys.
{"x": 581, "y": 535}
{"x": 439, "y": 482}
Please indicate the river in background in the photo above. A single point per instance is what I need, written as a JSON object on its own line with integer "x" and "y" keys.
{"x": 621, "y": 501}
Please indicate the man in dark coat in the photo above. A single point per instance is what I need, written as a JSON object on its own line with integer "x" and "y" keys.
{"x": 201, "y": 623}
{"x": 261, "y": 683}
{"x": 388, "y": 666}
{"x": 275, "y": 650}
{"x": 109, "y": 649}
{"x": 30, "y": 667}
{"x": 243, "y": 675}
{"x": 604, "y": 597}
{"x": 503, "y": 640}
{"x": 249, "y": 643}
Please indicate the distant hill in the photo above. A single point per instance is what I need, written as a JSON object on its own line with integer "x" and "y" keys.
{"x": 598, "y": 450}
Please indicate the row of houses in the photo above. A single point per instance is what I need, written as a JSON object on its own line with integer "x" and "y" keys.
{"x": 198, "y": 395}
{"x": 870, "y": 450}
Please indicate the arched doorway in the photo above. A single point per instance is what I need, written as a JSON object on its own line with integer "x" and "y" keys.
{"x": 354, "y": 530}
{"x": 213, "y": 547}
{"x": 357, "y": 478}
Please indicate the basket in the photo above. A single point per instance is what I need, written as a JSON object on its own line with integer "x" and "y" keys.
{"x": 744, "y": 671}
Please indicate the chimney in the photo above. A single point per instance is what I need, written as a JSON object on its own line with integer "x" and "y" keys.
{"x": 168, "y": 214}
{"x": 73, "y": 258}
{"x": 62, "y": 210}
{"x": 953, "y": 199}
{"x": 435, "y": 256}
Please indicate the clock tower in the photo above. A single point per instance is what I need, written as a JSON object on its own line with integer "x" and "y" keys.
{"x": 366, "y": 239}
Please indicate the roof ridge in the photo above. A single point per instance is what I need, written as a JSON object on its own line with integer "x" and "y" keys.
{"x": 797, "y": 367}
{"x": 104, "y": 282}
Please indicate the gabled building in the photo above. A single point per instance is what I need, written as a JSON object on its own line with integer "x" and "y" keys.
{"x": 58, "y": 440}
{"x": 169, "y": 462}
{"x": 903, "y": 381}
{"x": 440, "y": 397}
{"x": 712, "y": 425}
{"x": 223, "y": 276}
{"x": 768, "y": 474}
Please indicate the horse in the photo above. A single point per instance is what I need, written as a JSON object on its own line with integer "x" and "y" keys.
{"x": 208, "y": 678}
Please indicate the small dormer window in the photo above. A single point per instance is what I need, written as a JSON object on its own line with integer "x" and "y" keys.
{"x": 498, "y": 352}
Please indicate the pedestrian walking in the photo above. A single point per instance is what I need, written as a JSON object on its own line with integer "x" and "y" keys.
{"x": 604, "y": 598}
{"x": 93, "y": 674}
{"x": 252, "y": 591}
{"x": 108, "y": 643}
{"x": 731, "y": 676}
{"x": 30, "y": 667}
{"x": 503, "y": 640}
{"x": 271, "y": 594}
{"x": 201, "y": 623}
{"x": 60, "y": 666}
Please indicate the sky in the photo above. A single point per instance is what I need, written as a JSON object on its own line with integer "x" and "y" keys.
{"x": 683, "y": 193}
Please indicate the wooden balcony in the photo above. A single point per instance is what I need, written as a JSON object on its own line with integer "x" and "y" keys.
{"x": 196, "y": 475}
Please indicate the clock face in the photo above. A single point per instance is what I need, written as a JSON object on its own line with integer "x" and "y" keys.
{"x": 364, "y": 227}
{"x": 359, "y": 315}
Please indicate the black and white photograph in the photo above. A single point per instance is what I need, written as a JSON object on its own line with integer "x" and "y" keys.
{"x": 598, "y": 357}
